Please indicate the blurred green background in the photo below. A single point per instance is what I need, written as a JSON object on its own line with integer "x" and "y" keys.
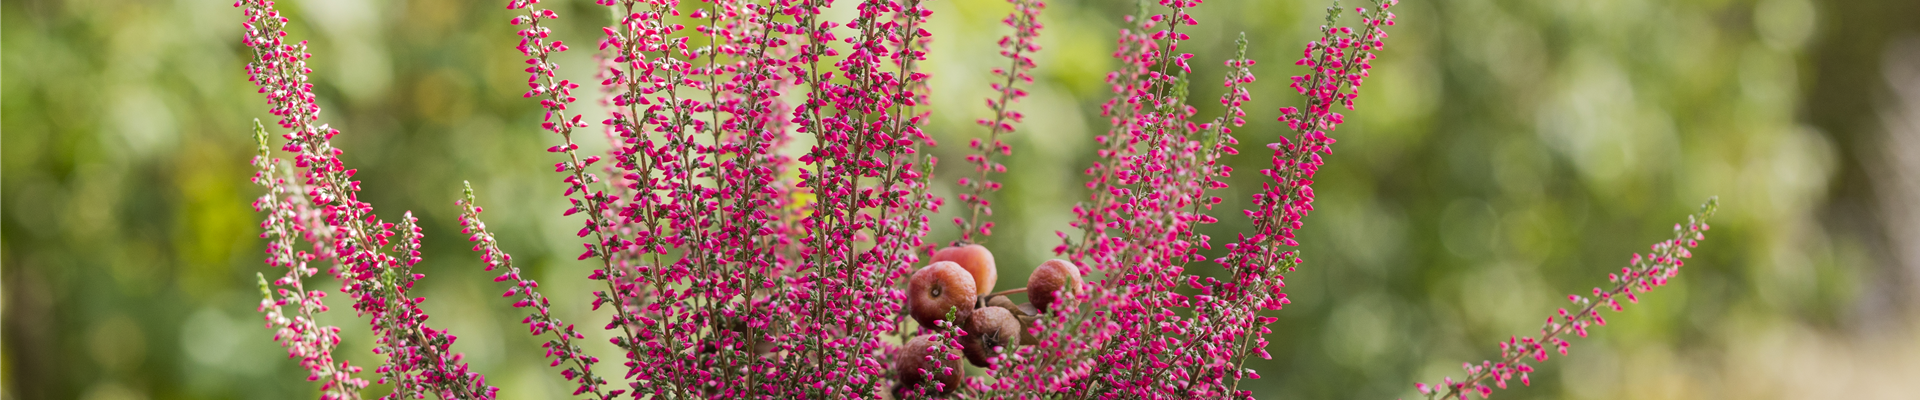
{"x": 1506, "y": 153}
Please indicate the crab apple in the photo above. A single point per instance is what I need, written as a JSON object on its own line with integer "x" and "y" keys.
{"x": 978, "y": 262}
{"x": 912, "y": 368}
{"x": 1044, "y": 286}
{"x": 990, "y": 330}
{"x": 937, "y": 288}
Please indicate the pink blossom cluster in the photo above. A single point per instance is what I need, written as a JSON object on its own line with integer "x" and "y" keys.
{"x": 729, "y": 278}
{"x": 1257, "y": 262}
{"x": 1151, "y": 189}
{"x": 1641, "y": 275}
{"x": 374, "y": 270}
{"x": 1018, "y": 48}
{"x": 1154, "y": 169}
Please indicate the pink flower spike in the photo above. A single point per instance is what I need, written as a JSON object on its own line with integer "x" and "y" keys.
{"x": 1627, "y": 282}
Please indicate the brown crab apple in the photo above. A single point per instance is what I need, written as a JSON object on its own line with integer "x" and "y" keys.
{"x": 1046, "y": 285}
{"x": 937, "y": 289}
{"x": 989, "y": 331}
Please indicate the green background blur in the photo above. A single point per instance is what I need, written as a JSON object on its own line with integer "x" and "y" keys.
{"x": 1505, "y": 153}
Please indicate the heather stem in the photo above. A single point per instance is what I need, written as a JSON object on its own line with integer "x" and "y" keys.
{"x": 1026, "y": 26}
{"x": 302, "y": 336}
{"x": 1641, "y": 276}
{"x": 542, "y": 319}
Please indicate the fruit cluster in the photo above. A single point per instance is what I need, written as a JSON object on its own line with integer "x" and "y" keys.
{"x": 959, "y": 284}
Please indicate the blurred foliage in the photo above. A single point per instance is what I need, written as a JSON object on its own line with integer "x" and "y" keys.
{"x": 1505, "y": 153}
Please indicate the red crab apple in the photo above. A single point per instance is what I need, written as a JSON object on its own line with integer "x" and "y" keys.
{"x": 978, "y": 262}
{"x": 909, "y": 363}
{"x": 1049, "y": 279}
{"x": 990, "y": 327}
{"x": 937, "y": 288}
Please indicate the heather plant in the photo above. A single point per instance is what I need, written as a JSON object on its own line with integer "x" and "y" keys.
{"x": 732, "y": 268}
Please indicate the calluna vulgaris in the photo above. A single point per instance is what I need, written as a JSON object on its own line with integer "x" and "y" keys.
{"x": 735, "y": 271}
